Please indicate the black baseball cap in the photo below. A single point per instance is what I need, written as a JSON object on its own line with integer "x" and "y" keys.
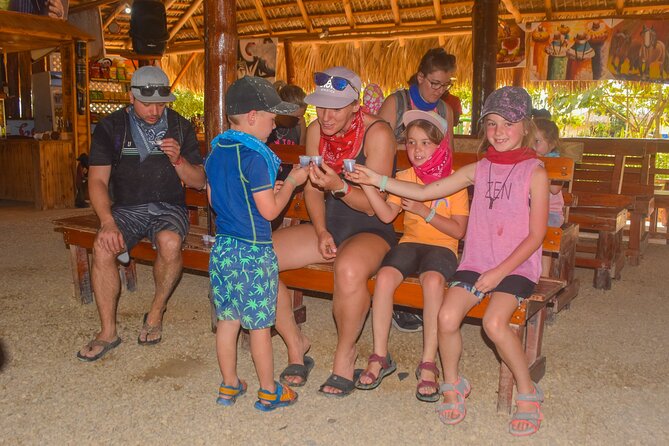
{"x": 255, "y": 93}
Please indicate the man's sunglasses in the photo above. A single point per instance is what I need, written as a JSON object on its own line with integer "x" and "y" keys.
{"x": 337, "y": 82}
{"x": 149, "y": 91}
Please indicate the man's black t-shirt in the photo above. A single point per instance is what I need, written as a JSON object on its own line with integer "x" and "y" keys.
{"x": 152, "y": 180}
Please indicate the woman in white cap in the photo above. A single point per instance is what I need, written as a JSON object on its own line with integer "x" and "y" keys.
{"x": 343, "y": 228}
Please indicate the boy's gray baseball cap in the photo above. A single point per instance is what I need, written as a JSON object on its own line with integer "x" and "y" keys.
{"x": 255, "y": 93}
{"x": 511, "y": 103}
{"x": 150, "y": 76}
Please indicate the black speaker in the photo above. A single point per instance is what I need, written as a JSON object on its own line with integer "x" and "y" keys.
{"x": 148, "y": 27}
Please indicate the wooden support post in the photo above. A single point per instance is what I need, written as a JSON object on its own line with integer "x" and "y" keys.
{"x": 25, "y": 84}
{"x": 290, "y": 67}
{"x": 484, "y": 43}
{"x": 12, "y": 107}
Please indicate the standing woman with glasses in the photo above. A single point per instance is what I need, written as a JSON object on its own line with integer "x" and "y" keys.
{"x": 343, "y": 229}
{"x": 434, "y": 77}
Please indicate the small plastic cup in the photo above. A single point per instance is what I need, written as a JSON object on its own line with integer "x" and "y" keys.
{"x": 305, "y": 160}
{"x": 158, "y": 143}
{"x": 349, "y": 165}
{"x": 317, "y": 160}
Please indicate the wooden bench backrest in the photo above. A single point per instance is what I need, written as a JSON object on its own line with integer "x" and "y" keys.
{"x": 558, "y": 169}
{"x": 615, "y": 166}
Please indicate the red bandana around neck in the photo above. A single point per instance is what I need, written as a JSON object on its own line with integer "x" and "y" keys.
{"x": 438, "y": 166}
{"x": 335, "y": 149}
{"x": 510, "y": 157}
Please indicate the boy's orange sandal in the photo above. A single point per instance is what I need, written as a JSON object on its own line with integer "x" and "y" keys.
{"x": 227, "y": 395}
{"x": 532, "y": 420}
{"x": 281, "y": 397}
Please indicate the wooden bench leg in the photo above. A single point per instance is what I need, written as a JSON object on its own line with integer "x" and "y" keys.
{"x": 506, "y": 382}
{"x": 131, "y": 276}
{"x": 606, "y": 251}
{"x": 81, "y": 274}
{"x": 635, "y": 235}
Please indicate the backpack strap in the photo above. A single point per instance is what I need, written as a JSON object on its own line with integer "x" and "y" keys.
{"x": 403, "y": 103}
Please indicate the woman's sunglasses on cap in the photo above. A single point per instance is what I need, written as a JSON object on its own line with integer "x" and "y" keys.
{"x": 150, "y": 90}
{"x": 338, "y": 83}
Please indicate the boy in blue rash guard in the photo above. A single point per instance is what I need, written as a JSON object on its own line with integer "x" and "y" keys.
{"x": 243, "y": 191}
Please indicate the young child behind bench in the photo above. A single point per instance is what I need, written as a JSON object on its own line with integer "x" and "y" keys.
{"x": 242, "y": 189}
{"x": 502, "y": 253}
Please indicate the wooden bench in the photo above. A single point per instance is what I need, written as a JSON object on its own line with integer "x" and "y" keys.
{"x": 615, "y": 173}
{"x": 527, "y": 321}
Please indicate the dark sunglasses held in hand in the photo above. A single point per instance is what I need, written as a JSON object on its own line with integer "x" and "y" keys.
{"x": 149, "y": 91}
{"x": 337, "y": 82}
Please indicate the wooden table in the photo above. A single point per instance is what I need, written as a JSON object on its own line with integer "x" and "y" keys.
{"x": 608, "y": 223}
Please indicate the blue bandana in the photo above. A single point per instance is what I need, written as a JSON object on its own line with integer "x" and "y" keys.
{"x": 418, "y": 101}
{"x": 254, "y": 144}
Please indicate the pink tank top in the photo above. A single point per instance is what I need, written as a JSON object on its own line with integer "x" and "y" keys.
{"x": 556, "y": 203}
{"x": 499, "y": 218}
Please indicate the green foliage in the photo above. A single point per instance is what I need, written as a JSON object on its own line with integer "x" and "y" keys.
{"x": 188, "y": 104}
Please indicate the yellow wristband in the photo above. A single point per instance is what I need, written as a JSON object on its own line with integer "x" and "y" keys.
{"x": 291, "y": 180}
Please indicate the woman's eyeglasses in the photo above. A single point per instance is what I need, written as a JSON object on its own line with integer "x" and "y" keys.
{"x": 337, "y": 82}
{"x": 150, "y": 90}
{"x": 438, "y": 85}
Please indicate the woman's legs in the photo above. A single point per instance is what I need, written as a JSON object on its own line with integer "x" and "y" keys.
{"x": 433, "y": 284}
{"x": 295, "y": 247}
{"x": 358, "y": 258}
{"x": 387, "y": 280}
{"x": 457, "y": 303}
{"x": 509, "y": 347}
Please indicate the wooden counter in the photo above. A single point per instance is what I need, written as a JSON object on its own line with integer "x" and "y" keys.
{"x": 41, "y": 172}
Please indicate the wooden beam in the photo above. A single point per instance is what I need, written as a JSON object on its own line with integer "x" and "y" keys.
{"x": 184, "y": 18}
{"x": 484, "y": 55}
{"x": 119, "y": 9}
{"x": 290, "y": 62}
{"x": 620, "y": 6}
{"x": 513, "y": 10}
{"x": 263, "y": 16}
{"x": 196, "y": 29}
{"x": 305, "y": 16}
{"x": 349, "y": 13}
{"x": 396, "y": 12}
{"x": 548, "y": 4}
{"x": 88, "y": 5}
{"x": 183, "y": 69}
{"x": 436, "y": 5}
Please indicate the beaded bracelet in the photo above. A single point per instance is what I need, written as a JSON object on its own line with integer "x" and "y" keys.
{"x": 430, "y": 216}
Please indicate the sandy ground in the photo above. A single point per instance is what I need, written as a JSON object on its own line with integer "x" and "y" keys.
{"x": 606, "y": 379}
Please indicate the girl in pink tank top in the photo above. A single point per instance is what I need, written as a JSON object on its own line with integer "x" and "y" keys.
{"x": 502, "y": 254}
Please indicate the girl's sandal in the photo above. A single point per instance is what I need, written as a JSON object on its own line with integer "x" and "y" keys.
{"x": 227, "y": 395}
{"x": 462, "y": 390}
{"x": 425, "y": 384}
{"x": 281, "y": 397}
{"x": 388, "y": 366}
{"x": 531, "y": 419}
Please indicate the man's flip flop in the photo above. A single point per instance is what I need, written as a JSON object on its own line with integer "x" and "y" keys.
{"x": 346, "y": 386}
{"x": 106, "y": 346}
{"x": 299, "y": 370}
{"x": 148, "y": 330}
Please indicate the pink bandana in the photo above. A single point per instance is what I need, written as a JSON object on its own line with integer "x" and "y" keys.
{"x": 438, "y": 166}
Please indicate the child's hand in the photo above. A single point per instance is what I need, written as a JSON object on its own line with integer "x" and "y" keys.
{"x": 277, "y": 186}
{"x": 299, "y": 174}
{"x": 364, "y": 175}
{"x": 415, "y": 207}
{"x": 489, "y": 280}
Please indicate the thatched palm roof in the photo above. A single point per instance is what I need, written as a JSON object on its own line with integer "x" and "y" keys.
{"x": 381, "y": 39}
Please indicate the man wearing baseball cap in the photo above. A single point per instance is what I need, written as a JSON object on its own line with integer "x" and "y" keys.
{"x": 141, "y": 156}
{"x": 344, "y": 229}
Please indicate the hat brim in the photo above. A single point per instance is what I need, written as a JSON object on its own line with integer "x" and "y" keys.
{"x": 283, "y": 108}
{"x": 156, "y": 98}
{"x": 318, "y": 99}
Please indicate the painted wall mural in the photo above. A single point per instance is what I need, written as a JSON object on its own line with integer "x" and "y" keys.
{"x": 600, "y": 49}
